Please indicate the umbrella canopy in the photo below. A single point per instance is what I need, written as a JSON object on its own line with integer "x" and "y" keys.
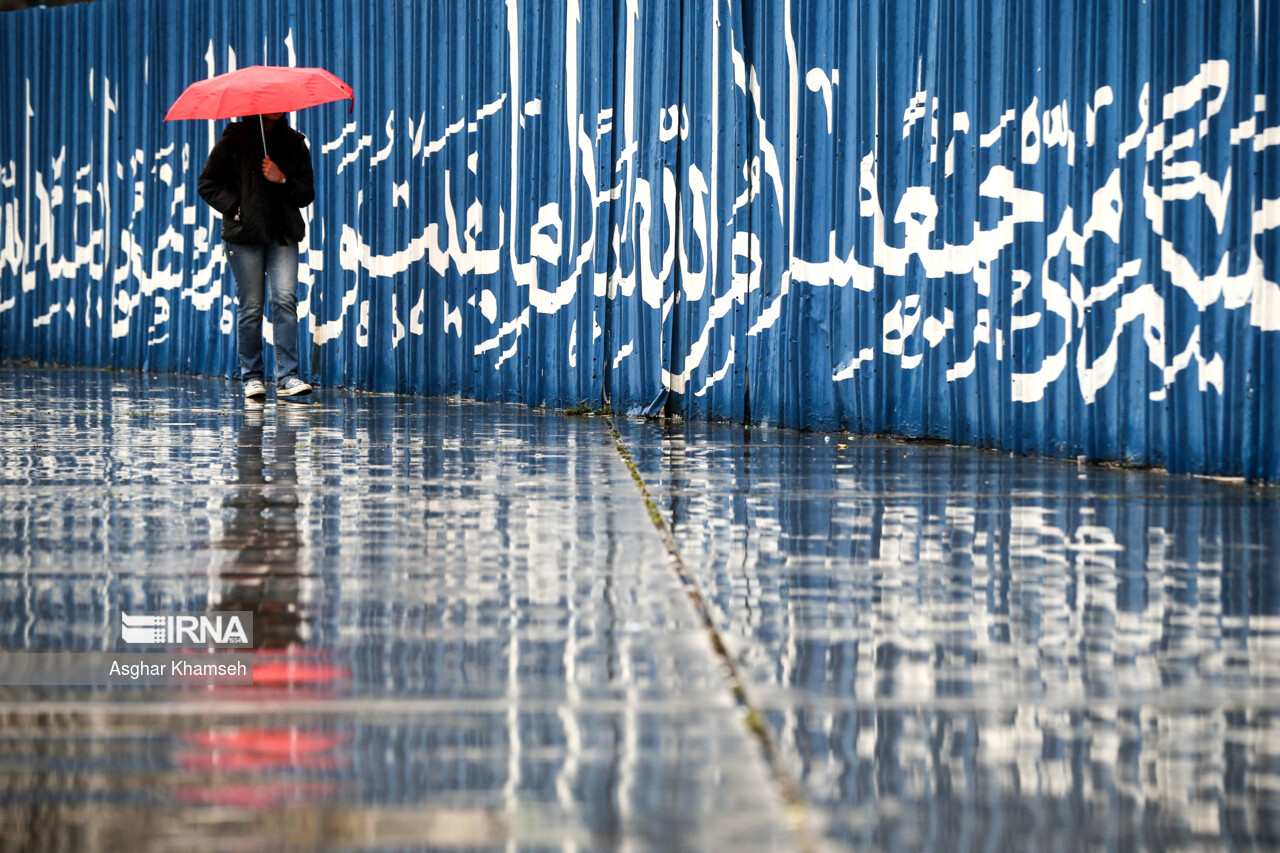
{"x": 259, "y": 89}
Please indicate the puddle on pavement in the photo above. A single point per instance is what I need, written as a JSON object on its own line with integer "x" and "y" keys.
{"x": 961, "y": 650}
{"x": 467, "y": 632}
{"x": 469, "y": 635}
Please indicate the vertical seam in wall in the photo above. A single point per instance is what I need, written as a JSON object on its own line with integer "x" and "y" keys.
{"x": 752, "y": 715}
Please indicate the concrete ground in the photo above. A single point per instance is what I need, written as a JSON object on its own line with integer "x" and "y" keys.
{"x": 490, "y": 627}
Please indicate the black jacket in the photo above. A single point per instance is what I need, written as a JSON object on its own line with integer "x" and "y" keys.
{"x": 253, "y": 209}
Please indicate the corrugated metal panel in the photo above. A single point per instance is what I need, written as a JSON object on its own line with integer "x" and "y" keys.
{"x": 1049, "y": 226}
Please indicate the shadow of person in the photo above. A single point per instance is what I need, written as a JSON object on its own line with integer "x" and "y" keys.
{"x": 265, "y": 575}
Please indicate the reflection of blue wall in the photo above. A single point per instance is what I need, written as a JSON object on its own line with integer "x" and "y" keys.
{"x": 826, "y": 556}
{"x": 960, "y": 650}
{"x": 1049, "y": 226}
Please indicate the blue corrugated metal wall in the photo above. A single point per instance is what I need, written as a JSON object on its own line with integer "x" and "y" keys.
{"x": 1047, "y": 226}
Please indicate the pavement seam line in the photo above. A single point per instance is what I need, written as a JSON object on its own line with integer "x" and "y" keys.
{"x": 752, "y": 715}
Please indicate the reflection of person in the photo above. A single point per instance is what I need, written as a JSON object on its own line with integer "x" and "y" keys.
{"x": 264, "y": 577}
{"x": 260, "y": 199}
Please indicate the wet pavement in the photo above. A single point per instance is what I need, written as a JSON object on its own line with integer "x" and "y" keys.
{"x": 958, "y": 649}
{"x": 471, "y": 635}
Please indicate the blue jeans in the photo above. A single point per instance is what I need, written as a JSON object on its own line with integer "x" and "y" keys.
{"x": 254, "y": 267}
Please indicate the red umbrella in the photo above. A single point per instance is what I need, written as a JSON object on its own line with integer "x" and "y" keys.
{"x": 259, "y": 89}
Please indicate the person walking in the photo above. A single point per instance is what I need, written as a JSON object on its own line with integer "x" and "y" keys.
{"x": 260, "y": 199}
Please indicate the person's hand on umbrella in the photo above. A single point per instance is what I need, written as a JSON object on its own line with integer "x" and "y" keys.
{"x": 271, "y": 171}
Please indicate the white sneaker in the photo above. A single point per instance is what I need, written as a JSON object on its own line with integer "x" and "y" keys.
{"x": 292, "y": 387}
{"x": 254, "y": 388}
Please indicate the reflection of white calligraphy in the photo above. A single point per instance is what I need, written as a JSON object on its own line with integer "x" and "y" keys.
{"x": 622, "y": 224}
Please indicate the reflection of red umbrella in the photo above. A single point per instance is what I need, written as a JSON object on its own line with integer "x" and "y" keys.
{"x": 261, "y": 748}
{"x": 259, "y": 89}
